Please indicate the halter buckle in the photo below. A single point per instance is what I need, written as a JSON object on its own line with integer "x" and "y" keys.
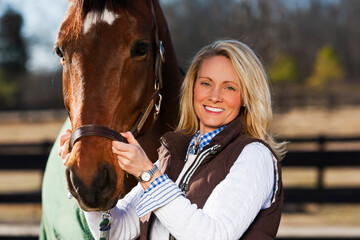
{"x": 158, "y": 106}
{"x": 162, "y": 51}
{"x": 106, "y": 215}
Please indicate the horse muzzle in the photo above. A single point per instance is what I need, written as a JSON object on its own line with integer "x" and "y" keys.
{"x": 99, "y": 194}
{"x": 93, "y": 177}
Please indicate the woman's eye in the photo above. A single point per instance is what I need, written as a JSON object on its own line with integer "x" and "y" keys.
{"x": 230, "y": 88}
{"x": 205, "y": 83}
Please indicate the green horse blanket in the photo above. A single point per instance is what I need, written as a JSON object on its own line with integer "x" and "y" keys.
{"x": 61, "y": 217}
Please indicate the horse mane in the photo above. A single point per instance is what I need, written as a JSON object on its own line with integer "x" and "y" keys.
{"x": 72, "y": 26}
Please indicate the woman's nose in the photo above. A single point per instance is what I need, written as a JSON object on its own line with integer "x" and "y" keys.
{"x": 215, "y": 95}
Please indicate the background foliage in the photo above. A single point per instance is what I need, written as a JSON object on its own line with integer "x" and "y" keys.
{"x": 310, "y": 47}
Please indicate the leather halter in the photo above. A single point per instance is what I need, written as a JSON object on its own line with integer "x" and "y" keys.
{"x": 103, "y": 131}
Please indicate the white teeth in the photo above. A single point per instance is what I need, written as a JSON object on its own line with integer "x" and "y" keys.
{"x": 214, "y": 109}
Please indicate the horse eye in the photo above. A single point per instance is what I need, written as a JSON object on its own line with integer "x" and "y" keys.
{"x": 139, "y": 49}
{"x": 59, "y": 52}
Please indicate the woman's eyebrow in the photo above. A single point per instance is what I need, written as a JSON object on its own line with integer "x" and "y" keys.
{"x": 225, "y": 82}
{"x": 205, "y": 77}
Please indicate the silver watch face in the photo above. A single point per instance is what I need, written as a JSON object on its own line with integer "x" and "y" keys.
{"x": 145, "y": 176}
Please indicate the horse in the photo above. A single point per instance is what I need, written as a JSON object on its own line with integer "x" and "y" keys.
{"x": 119, "y": 65}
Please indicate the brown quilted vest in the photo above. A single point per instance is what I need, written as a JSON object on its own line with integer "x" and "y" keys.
{"x": 229, "y": 143}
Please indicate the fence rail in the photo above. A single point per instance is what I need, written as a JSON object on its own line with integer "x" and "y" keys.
{"x": 34, "y": 157}
{"x": 322, "y": 159}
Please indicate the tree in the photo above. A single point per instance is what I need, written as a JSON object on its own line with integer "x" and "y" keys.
{"x": 351, "y": 37}
{"x": 8, "y": 91}
{"x": 13, "y": 52}
{"x": 283, "y": 69}
{"x": 13, "y": 57}
{"x": 327, "y": 68}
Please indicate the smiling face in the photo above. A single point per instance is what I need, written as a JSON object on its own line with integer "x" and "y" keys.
{"x": 217, "y": 95}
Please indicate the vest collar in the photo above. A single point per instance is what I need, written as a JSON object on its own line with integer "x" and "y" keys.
{"x": 177, "y": 143}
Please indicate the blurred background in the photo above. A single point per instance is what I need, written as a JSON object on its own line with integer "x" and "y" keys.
{"x": 311, "y": 51}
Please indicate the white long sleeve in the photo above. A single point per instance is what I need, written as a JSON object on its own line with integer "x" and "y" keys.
{"x": 125, "y": 222}
{"x": 233, "y": 204}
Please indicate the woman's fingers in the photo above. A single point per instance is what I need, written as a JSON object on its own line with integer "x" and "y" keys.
{"x": 64, "y": 137}
{"x": 116, "y": 150}
{"x": 66, "y": 159}
{"x": 64, "y": 149}
{"x": 126, "y": 151}
{"x": 120, "y": 147}
{"x": 64, "y": 146}
{"x": 130, "y": 138}
{"x": 131, "y": 157}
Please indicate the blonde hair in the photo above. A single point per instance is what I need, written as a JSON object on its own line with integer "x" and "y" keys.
{"x": 254, "y": 87}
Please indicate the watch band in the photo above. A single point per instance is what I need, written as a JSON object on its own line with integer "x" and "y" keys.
{"x": 147, "y": 174}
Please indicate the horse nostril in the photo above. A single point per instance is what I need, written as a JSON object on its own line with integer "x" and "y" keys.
{"x": 105, "y": 180}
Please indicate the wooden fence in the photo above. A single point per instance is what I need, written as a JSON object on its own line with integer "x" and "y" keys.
{"x": 322, "y": 159}
{"x": 34, "y": 157}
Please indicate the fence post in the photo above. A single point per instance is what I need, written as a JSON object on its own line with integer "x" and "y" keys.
{"x": 320, "y": 180}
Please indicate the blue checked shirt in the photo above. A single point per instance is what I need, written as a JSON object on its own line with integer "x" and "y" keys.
{"x": 162, "y": 190}
{"x": 198, "y": 143}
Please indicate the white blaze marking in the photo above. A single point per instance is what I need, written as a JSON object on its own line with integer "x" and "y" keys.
{"x": 93, "y": 18}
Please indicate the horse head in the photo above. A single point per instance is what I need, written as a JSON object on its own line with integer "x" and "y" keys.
{"x": 111, "y": 56}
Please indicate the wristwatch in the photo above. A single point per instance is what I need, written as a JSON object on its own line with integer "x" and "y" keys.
{"x": 147, "y": 175}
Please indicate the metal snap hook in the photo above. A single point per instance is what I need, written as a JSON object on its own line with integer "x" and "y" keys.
{"x": 106, "y": 215}
{"x": 162, "y": 51}
{"x": 158, "y": 106}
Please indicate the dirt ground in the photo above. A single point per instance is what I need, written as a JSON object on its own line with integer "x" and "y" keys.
{"x": 36, "y": 126}
{"x": 342, "y": 121}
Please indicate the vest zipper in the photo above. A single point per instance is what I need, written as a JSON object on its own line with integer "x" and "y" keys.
{"x": 184, "y": 185}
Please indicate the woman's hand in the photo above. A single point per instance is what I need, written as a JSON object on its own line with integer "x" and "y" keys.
{"x": 64, "y": 146}
{"x": 132, "y": 158}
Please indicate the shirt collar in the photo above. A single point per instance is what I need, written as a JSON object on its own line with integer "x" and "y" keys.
{"x": 198, "y": 142}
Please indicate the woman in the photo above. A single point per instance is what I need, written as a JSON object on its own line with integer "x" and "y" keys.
{"x": 218, "y": 175}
